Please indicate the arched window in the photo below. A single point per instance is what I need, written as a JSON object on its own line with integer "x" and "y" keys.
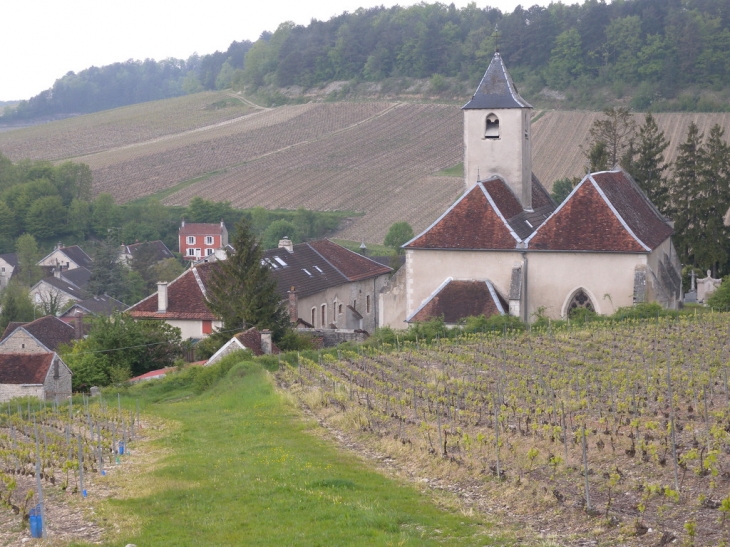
{"x": 324, "y": 316}
{"x": 491, "y": 131}
{"x": 580, "y": 300}
{"x": 314, "y": 316}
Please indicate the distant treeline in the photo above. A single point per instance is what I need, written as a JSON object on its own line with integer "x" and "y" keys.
{"x": 130, "y": 82}
{"x": 661, "y": 48}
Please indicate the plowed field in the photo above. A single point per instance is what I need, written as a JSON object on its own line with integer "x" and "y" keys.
{"x": 378, "y": 158}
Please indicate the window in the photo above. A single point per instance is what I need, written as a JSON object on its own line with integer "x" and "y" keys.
{"x": 314, "y": 316}
{"x": 367, "y": 303}
{"x": 491, "y": 131}
{"x": 208, "y": 252}
{"x": 209, "y": 240}
{"x": 3, "y": 269}
{"x": 339, "y": 308}
{"x": 191, "y": 240}
{"x": 191, "y": 252}
{"x": 354, "y": 305}
{"x": 324, "y": 315}
{"x": 207, "y": 327}
{"x": 580, "y": 300}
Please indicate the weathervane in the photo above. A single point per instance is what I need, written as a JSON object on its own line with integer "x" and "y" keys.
{"x": 497, "y": 36}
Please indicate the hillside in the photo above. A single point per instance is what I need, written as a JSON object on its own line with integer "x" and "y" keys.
{"x": 385, "y": 159}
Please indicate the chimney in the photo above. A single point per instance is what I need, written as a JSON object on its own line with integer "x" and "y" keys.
{"x": 293, "y": 303}
{"x": 286, "y": 244}
{"x": 161, "y": 296}
{"x": 57, "y": 271}
{"x": 78, "y": 325}
{"x": 182, "y": 225}
{"x": 266, "y": 341}
{"x": 58, "y": 246}
{"x": 363, "y": 249}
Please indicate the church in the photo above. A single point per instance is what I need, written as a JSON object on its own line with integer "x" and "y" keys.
{"x": 504, "y": 247}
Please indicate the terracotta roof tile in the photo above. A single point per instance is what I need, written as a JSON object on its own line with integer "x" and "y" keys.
{"x": 185, "y": 299}
{"x": 471, "y": 223}
{"x": 586, "y": 222}
{"x": 503, "y": 197}
{"x": 24, "y": 368}
{"x": 196, "y": 228}
{"x": 456, "y": 300}
{"x": 48, "y": 330}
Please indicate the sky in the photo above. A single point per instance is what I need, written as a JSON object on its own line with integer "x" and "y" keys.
{"x": 41, "y": 40}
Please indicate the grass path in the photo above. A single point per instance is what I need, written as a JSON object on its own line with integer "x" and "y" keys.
{"x": 244, "y": 468}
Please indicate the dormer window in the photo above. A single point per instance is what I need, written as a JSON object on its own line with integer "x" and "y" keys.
{"x": 491, "y": 130}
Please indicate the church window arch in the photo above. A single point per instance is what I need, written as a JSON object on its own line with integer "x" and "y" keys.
{"x": 579, "y": 300}
{"x": 491, "y": 129}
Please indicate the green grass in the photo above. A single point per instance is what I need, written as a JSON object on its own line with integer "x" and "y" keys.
{"x": 244, "y": 468}
{"x": 455, "y": 171}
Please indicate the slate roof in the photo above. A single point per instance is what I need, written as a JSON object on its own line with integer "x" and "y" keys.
{"x": 160, "y": 249}
{"x": 204, "y": 229}
{"x": 319, "y": 265}
{"x": 48, "y": 330}
{"x": 10, "y": 258}
{"x": 64, "y": 286}
{"x": 496, "y": 89}
{"x": 486, "y": 217}
{"x": 186, "y": 297}
{"x": 606, "y": 212}
{"x": 77, "y": 254}
{"x": 96, "y": 305}
{"x": 25, "y": 368}
{"x": 455, "y": 300}
{"x": 78, "y": 276}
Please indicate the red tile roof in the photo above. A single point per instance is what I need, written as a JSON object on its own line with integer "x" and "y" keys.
{"x": 24, "y": 368}
{"x": 471, "y": 223}
{"x": 503, "y": 197}
{"x": 457, "y": 299}
{"x": 251, "y": 339}
{"x": 606, "y": 212}
{"x": 193, "y": 229}
{"x": 185, "y": 298}
{"x": 352, "y": 265}
{"x": 48, "y": 330}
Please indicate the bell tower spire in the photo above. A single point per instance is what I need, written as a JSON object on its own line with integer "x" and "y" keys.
{"x": 497, "y": 133}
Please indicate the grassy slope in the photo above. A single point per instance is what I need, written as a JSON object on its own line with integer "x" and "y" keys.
{"x": 244, "y": 468}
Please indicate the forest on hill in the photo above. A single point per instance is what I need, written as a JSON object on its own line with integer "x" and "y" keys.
{"x": 658, "y": 54}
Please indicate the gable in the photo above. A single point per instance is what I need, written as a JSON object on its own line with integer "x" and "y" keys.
{"x": 48, "y": 332}
{"x": 455, "y": 300}
{"x": 606, "y": 212}
{"x": 472, "y": 223}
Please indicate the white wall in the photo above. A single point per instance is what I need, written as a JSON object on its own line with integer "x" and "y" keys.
{"x": 190, "y": 328}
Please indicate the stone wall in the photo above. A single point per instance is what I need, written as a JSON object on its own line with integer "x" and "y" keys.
{"x": 334, "y": 337}
{"x": 21, "y": 342}
{"x": 9, "y": 391}
{"x": 58, "y": 381}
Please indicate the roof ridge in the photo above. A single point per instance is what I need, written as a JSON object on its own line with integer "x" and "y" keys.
{"x": 439, "y": 219}
{"x": 201, "y": 285}
{"x": 556, "y": 210}
{"x": 327, "y": 261}
{"x": 499, "y": 213}
{"x": 356, "y": 254}
{"x": 430, "y": 297}
{"x": 615, "y": 212}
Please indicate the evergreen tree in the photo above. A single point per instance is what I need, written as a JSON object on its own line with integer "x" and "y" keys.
{"x": 712, "y": 203}
{"x": 647, "y": 165}
{"x": 107, "y": 273}
{"x": 616, "y": 131}
{"x": 688, "y": 174}
{"x": 242, "y": 291}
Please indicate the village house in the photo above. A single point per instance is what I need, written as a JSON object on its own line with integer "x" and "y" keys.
{"x": 103, "y": 305}
{"x": 8, "y": 265}
{"x": 42, "y": 375}
{"x": 61, "y": 288}
{"x": 157, "y": 248}
{"x": 182, "y": 303}
{"x": 43, "y": 335}
{"x": 256, "y": 341}
{"x": 67, "y": 258}
{"x": 505, "y": 247}
{"x": 198, "y": 240}
{"x": 326, "y": 285}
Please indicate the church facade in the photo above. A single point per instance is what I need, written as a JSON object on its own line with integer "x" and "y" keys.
{"x": 505, "y": 247}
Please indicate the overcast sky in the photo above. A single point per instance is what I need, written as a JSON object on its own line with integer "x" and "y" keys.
{"x": 41, "y": 40}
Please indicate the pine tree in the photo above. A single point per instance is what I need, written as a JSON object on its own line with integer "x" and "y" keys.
{"x": 647, "y": 165}
{"x": 242, "y": 291}
{"x": 688, "y": 174}
{"x": 616, "y": 131}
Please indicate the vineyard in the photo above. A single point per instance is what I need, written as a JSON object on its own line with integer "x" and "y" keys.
{"x": 49, "y": 450}
{"x": 83, "y": 135}
{"x": 615, "y": 434}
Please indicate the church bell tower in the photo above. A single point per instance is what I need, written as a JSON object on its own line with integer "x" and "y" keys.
{"x": 497, "y": 133}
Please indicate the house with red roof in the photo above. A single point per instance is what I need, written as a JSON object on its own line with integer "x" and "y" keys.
{"x": 505, "y": 247}
{"x": 182, "y": 303}
{"x": 198, "y": 240}
{"x": 42, "y": 375}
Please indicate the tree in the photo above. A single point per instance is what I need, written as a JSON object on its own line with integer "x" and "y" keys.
{"x": 242, "y": 290}
{"x": 167, "y": 270}
{"x": 276, "y": 231}
{"x": 688, "y": 172}
{"x": 566, "y": 60}
{"x": 46, "y": 217}
{"x": 118, "y": 347}
{"x": 28, "y": 256}
{"x": 16, "y": 304}
{"x": 107, "y": 272}
{"x": 647, "y": 164}
{"x": 398, "y": 234}
{"x": 562, "y": 188}
{"x": 615, "y": 130}
{"x": 598, "y": 157}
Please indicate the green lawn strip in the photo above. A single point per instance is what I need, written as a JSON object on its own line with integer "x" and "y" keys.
{"x": 455, "y": 171}
{"x": 258, "y": 475}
